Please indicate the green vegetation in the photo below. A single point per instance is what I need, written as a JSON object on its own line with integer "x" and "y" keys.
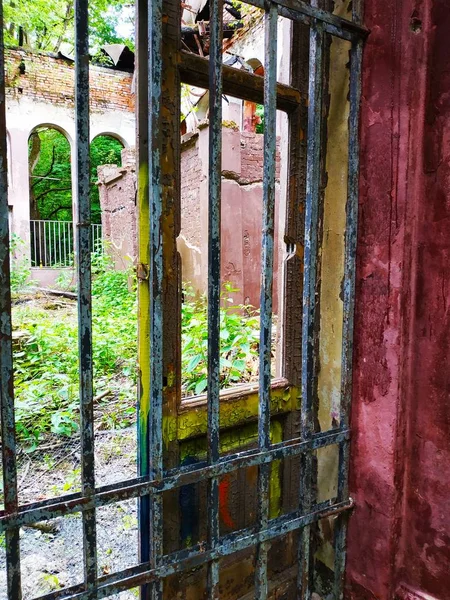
{"x": 50, "y": 168}
{"x": 46, "y": 354}
{"x": 48, "y": 24}
{"x": 239, "y": 337}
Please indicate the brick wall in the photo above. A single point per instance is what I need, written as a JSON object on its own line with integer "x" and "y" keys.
{"x": 47, "y": 78}
{"x": 252, "y": 157}
{"x": 192, "y": 174}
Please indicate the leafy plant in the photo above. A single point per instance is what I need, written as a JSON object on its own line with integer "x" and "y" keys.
{"x": 239, "y": 338}
{"x": 20, "y": 266}
{"x": 46, "y": 354}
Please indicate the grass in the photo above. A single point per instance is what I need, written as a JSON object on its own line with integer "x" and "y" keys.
{"x": 46, "y": 353}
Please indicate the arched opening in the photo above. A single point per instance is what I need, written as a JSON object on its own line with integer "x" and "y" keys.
{"x": 50, "y": 185}
{"x": 106, "y": 149}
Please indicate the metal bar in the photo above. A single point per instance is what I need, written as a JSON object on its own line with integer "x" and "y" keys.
{"x": 238, "y": 83}
{"x": 140, "y": 487}
{"x": 142, "y": 130}
{"x": 54, "y": 245}
{"x": 266, "y": 304}
{"x": 313, "y": 177}
{"x": 44, "y": 237}
{"x": 8, "y": 428}
{"x": 358, "y": 11}
{"x": 155, "y": 21}
{"x": 33, "y": 242}
{"x": 214, "y": 281}
{"x": 83, "y": 245}
{"x": 59, "y": 245}
{"x": 192, "y": 558}
{"x": 308, "y": 14}
{"x": 351, "y": 232}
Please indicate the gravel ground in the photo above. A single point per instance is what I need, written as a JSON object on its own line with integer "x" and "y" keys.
{"x": 51, "y": 557}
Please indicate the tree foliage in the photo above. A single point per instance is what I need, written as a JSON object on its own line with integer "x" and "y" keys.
{"x": 50, "y": 173}
{"x": 47, "y": 24}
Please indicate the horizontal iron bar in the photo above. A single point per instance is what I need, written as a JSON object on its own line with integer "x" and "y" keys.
{"x": 137, "y": 488}
{"x": 198, "y": 555}
{"x": 305, "y": 12}
{"x": 194, "y": 70}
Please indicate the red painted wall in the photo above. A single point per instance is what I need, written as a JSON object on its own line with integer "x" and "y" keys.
{"x": 399, "y": 534}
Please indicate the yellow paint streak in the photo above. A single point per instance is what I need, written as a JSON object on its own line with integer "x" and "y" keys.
{"x": 143, "y": 296}
{"x": 192, "y": 422}
{"x": 333, "y": 246}
{"x": 275, "y": 492}
{"x": 331, "y": 307}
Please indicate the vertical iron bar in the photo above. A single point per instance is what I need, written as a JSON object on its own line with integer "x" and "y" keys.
{"x": 43, "y": 223}
{"x": 142, "y": 130}
{"x": 59, "y": 245}
{"x": 155, "y": 20}
{"x": 33, "y": 243}
{"x": 214, "y": 281}
{"x": 83, "y": 248}
{"x": 8, "y": 429}
{"x": 351, "y": 231}
{"x": 357, "y": 11}
{"x": 65, "y": 229}
{"x": 313, "y": 175}
{"x": 54, "y": 243}
{"x": 265, "y": 344}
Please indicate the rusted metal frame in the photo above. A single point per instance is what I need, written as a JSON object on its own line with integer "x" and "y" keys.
{"x": 155, "y": 158}
{"x": 266, "y": 301}
{"x": 307, "y": 14}
{"x": 214, "y": 281}
{"x": 197, "y": 556}
{"x": 358, "y": 11}
{"x": 348, "y": 289}
{"x": 309, "y": 333}
{"x": 194, "y": 70}
{"x": 83, "y": 260}
{"x": 142, "y": 149}
{"x": 8, "y": 428}
{"x": 188, "y": 559}
{"x": 288, "y": 13}
{"x": 138, "y": 488}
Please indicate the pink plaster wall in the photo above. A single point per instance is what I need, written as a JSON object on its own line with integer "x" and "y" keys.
{"x": 399, "y": 533}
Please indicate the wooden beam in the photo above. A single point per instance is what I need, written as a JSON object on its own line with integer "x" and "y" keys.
{"x": 194, "y": 70}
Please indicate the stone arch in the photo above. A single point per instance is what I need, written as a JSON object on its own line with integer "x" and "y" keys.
{"x": 106, "y": 148}
{"x": 111, "y": 134}
{"x": 50, "y": 151}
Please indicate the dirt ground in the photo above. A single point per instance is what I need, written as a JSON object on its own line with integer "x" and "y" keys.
{"x": 52, "y": 556}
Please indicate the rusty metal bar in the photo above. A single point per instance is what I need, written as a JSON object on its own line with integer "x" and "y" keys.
{"x": 214, "y": 280}
{"x": 348, "y": 288}
{"x": 83, "y": 247}
{"x": 140, "y": 487}
{"x": 266, "y": 303}
{"x": 238, "y": 83}
{"x": 142, "y": 149}
{"x": 358, "y": 11}
{"x": 196, "y": 556}
{"x": 155, "y": 25}
{"x": 309, "y": 361}
{"x": 308, "y": 14}
{"x": 9, "y": 464}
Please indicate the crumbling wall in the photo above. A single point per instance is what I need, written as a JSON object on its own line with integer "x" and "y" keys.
{"x": 49, "y": 78}
{"x": 242, "y": 203}
{"x": 117, "y": 190}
